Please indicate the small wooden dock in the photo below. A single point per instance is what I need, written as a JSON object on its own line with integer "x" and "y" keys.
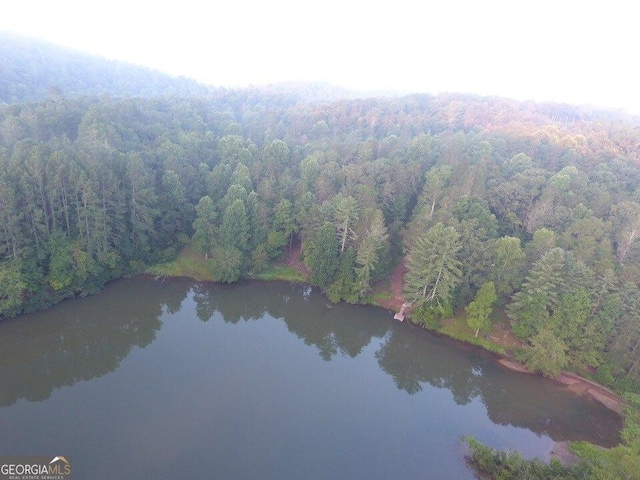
{"x": 400, "y": 315}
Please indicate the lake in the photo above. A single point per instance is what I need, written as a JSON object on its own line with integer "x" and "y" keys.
{"x": 175, "y": 379}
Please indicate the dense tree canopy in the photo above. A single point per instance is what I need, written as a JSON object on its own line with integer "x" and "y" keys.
{"x": 542, "y": 200}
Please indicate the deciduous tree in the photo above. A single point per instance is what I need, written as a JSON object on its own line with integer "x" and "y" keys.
{"x": 479, "y": 310}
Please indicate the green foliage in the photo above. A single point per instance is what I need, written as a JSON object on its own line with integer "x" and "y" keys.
{"x": 321, "y": 256}
{"x": 235, "y": 228}
{"x": 284, "y": 220}
{"x": 479, "y": 310}
{"x": 624, "y": 344}
{"x": 374, "y": 241}
{"x": 459, "y": 330}
{"x": 61, "y": 266}
{"x": 345, "y": 287}
{"x": 623, "y": 461}
{"x": 177, "y": 213}
{"x": 546, "y": 354}
{"x": 142, "y": 204}
{"x": 619, "y": 463}
{"x": 571, "y": 324}
{"x": 509, "y": 465}
{"x": 280, "y": 272}
{"x": 433, "y": 269}
{"x": 242, "y": 177}
{"x": 345, "y": 214}
{"x": 508, "y": 260}
{"x": 309, "y": 170}
{"x": 543, "y": 241}
{"x": 12, "y": 287}
{"x": 473, "y": 208}
{"x": 631, "y": 431}
{"x": 532, "y": 315}
{"x": 94, "y": 188}
{"x": 626, "y": 220}
{"x": 276, "y": 240}
{"x": 282, "y": 230}
{"x": 431, "y": 315}
{"x": 540, "y": 294}
{"x": 204, "y": 225}
{"x": 259, "y": 259}
{"x": 226, "y": 264}
{"x": 436, "y": 180}
{"x": 188, "y": 263}
{"x": 276, "y": 154}
{"x": 72, "y": 73}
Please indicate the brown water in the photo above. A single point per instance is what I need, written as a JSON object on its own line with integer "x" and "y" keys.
{"x": 263, "y": 380}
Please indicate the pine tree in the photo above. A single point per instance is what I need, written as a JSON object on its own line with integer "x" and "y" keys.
{"x": 345, "y": 215}
{"x": 177, "y": 214}
{"x": 539, "y": 296}
{"x": 321, "y": 256}
{"x": 226, "y": 264}
{"x": 284, "y": 220}
{"x": 235, "y": 227}
{"x": 344, "y": 287}
{"x": 204, "y": 225}
{"x": 368, "y": 252}
{"x": 433, "y": 269}
{"x": 142, "y": 204}
{"x": 572, "y": 323}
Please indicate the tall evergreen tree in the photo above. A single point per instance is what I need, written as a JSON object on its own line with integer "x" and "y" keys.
{"x": 433, "y": 269}
{"x": 204, "y": 225}
{"x": 345, "y": 216}
{"x": 344, "y": 287}
{"x": 142, "y": 201}
{"x": 368, "y": 252}
{"x": 540, "y": 294}
{"x": 177, "y": 213}
{"x": 321, "y": 256}
{"x": 235, "y": 227}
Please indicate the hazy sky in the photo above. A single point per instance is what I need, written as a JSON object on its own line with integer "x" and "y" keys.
{"x": 573, "y": 51}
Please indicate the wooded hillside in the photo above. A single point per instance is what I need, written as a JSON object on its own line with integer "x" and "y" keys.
{"x": 540, "y": 200}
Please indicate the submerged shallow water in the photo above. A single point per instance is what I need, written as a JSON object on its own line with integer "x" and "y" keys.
{"x": 263, "y": 380}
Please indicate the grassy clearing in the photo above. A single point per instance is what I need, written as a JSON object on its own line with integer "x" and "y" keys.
{"x": 280, "y": 272}
{"x": 458, "y": 328}
{"x": 378, "y": 298}
{"x": 189, "y": 263}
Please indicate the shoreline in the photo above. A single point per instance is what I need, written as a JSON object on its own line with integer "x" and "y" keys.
{"x": 572, "y": 381}
{"x": 577, "y": 384}
{"x": 560, "y": 450}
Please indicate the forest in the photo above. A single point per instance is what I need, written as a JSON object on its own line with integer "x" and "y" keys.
{"x": 488, "y": 202}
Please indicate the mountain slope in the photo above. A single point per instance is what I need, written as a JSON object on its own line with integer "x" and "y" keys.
{"x": 31, "y": 70}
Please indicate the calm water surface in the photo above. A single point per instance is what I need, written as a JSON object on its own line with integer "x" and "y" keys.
{"x": 179, "y": 380}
